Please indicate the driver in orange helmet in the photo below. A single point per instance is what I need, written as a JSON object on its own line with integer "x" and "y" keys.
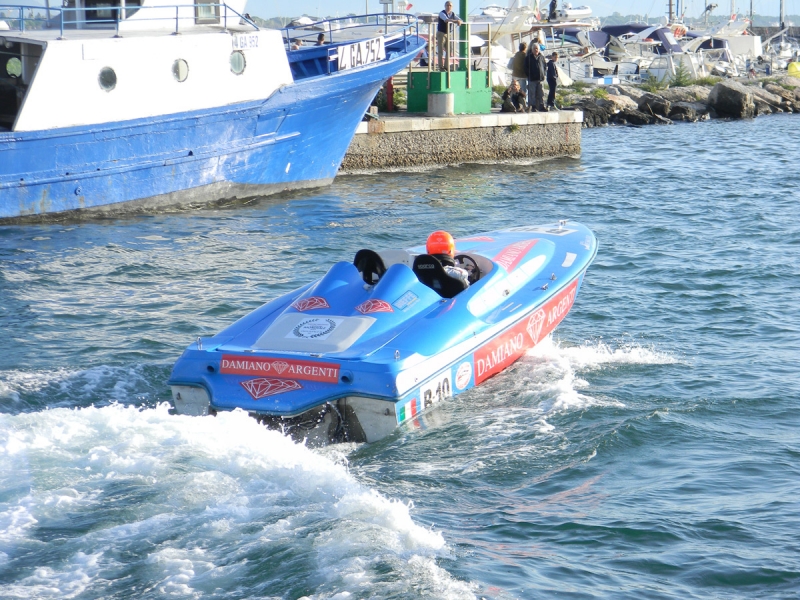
{"x": 442, "y": 247}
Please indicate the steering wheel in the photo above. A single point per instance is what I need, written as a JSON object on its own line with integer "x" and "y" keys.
{"x": 468, "y": 263}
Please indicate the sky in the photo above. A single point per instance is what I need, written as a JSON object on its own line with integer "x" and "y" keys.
{"x": 600, "y": 8}
{"x": 651, "y": 8}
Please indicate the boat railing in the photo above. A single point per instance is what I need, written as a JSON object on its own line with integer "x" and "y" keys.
{"x": 173, "y": 18}
{"x": 458, "y": 52}
{"x": 349, "y": 29}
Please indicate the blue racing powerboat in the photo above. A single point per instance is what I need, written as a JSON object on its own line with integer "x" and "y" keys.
{"x": 379, "y": 340}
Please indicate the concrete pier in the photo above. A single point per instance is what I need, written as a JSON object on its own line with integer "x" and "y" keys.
{"x": 398, "y": 140}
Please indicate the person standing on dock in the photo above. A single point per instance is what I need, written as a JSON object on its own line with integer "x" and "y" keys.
{"x": 552, "y": 80}
{"x": 518, "y": 68}
{"x": 446, "y": 17}
{"x": 536, "y": 70}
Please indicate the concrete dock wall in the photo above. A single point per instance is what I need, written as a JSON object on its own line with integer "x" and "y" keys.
{"x": 411, "y": 141}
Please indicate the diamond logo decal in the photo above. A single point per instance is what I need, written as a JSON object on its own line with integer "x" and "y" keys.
{"x": 311, "y": 303}
{"x": 267, "y": 386}
{"x": 373, "y": 306}
{"x": 535, "y": 325}
{"x": 280, "y": 366}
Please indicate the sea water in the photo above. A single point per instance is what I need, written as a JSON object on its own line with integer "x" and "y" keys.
{"x": 649, "y": 449}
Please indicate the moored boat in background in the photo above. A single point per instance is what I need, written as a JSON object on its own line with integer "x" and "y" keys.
{"x": 123, "y": 108}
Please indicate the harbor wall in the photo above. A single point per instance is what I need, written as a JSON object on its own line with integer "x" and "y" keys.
{"x": 413, "y": 141}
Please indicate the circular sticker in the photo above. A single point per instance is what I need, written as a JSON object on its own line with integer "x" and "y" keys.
{"x": 463, "y": 375}
{"x": 314, "y": 328}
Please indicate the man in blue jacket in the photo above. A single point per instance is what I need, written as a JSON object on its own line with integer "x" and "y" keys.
{"x": 536, "y": 69}
{"x": 446, "y": 17}
{"x": 552, "y": 80}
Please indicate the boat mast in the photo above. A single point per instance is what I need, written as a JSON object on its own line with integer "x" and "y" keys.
{"x": 783, "y": 19}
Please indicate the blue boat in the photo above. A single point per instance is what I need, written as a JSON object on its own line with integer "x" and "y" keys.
{"x": 379, "y": 340}
{"x": 119, "y": 107}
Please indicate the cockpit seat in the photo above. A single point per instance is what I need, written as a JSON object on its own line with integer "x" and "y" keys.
{"x": 370, "y": 265}
{"x": 431, "y": 272}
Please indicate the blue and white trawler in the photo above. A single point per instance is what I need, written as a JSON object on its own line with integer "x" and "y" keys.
{"x": 121, "y": 106}
{"x": 379, "y": 340}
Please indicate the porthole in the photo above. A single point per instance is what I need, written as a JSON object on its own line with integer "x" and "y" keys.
{"x": 107, "y": 79}
{"x": 238, "y": 62}
{"x": 180, "y": 70}
{"x": 14, "y": 67}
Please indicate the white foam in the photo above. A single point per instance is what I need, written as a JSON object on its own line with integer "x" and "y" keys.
{"x": 203, "y": 494}
{"x": 551, "y": 372}
{"x": 592, "y": 355}
{"x": 115, "y": 383}
{"x": 68, "y": 581}
{"x": 14, "y": 382}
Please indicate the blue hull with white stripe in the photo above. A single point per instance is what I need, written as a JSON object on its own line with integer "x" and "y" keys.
{"x": 297, "y": 137}
{"x": 375, "y": 342}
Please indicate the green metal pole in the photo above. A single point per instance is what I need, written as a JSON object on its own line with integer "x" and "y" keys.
{"x": 463, "y": 46}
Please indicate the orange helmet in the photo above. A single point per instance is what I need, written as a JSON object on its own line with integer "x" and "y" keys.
{"x": 441, "y": 242}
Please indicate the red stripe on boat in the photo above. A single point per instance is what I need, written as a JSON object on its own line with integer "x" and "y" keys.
{"x": 506, "y": 348}
{"x": 510, "y": 256}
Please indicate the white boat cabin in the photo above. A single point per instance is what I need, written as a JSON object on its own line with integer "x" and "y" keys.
{"x": 100, "y": 61}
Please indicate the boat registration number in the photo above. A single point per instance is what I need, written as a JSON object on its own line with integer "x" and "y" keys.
{"x": 361, "y": 53}
{"x": 245, "y": 41}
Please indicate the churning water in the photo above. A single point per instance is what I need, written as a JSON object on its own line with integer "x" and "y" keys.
{"x": 650, "y": 449}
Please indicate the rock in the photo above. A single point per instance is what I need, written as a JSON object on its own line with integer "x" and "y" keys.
{"x": 700, "y": 92}
{"x": 631, "y": 92}
{"x": 659, "y": 120}
{"x": 731, "y": 99}
{"x": 656, "y": 105}
{"x": 786, "y": 80}
{"x": 683, "y": 111}
{"x": 779, "y": 91}
{"x": 776, "y": 103}
{"x": 574, "y": 99}
{"x": 764, "y": 108}
{"x": 613, "y": 90}
{"x": 631, "y": 116}
{"x": 593, "y": 115}
{"x": 616, "y": 103}
{"x": 768, "y": 97}
{"x": 701, "y": 110}
{"x": 679, "y": 94}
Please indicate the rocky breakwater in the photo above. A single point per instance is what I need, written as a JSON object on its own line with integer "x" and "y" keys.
{"x": 730, "y": 98}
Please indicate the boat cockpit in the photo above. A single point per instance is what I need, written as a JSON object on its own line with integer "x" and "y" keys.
{"x": 428, "y": 269}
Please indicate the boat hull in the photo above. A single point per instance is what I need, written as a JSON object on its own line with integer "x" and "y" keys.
{"x": 294, "y": 139}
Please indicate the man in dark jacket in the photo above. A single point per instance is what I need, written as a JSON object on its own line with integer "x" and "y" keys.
{"x": 536, "y": 69}
{"x": 552, "y": 80}
{"x": 443, "y": 45}
{"x": 518, "y": 67}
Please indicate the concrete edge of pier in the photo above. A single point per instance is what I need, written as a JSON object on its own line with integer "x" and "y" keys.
{"x": 398, "y": 141}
